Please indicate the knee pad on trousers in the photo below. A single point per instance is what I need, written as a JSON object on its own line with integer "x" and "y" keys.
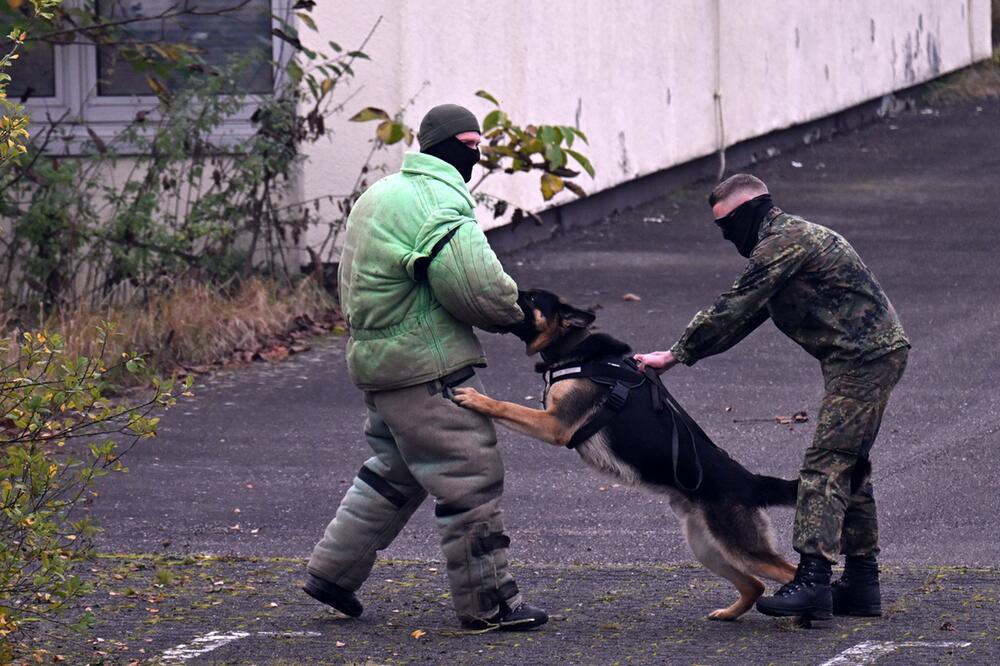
{"x": 382, "y": 487}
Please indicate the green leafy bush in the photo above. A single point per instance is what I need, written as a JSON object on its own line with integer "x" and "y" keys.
{"x": 60, "y": 430}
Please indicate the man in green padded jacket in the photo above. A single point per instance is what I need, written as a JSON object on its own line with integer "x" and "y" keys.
{"x": 416, "y": 276}
{"x": 811, "y": 283}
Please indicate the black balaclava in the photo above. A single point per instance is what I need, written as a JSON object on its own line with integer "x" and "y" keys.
{"x": 742, "y": 226}
{"x": 437, "y": 137}
{"x": 457, "y": 154}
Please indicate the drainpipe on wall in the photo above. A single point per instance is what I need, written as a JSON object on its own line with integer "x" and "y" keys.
{"x": 718, "y": 89}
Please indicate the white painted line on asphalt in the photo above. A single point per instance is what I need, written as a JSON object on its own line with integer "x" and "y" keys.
{"x": 869, "y": 651}
{"x": 201, "y": 645}
{"x": 214, "y": 639}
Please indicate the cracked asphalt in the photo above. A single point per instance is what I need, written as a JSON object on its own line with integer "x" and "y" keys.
{"x": 252, "y": 468}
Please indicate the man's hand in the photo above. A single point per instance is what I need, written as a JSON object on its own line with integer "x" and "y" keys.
{"x": 660, "y": 361}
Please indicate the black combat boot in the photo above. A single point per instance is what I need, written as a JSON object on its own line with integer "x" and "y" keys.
{"x": 857, "y": 592}
{"x": 807, "y": 595}
{"x": 332, "y": 595}
{"x": 522, "y": 618}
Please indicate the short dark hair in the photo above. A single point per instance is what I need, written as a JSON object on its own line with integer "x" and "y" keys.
{"x": 738, "y": 183}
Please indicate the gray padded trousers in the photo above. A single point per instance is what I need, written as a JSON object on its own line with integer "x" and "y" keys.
{"x": 424, "y": 443}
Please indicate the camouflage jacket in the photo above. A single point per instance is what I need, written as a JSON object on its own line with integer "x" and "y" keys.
{"x": 814, "y": 286}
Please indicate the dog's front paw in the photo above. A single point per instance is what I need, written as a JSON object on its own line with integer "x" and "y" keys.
{"x": 472, "y": 399}
{"x": 724, "y": 615}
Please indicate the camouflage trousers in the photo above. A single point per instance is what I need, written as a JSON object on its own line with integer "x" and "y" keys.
{"x": 423, "y": 443}
{"x": 835, "y": 512}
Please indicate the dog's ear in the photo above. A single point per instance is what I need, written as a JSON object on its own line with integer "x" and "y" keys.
{"x": 575, "y": 317}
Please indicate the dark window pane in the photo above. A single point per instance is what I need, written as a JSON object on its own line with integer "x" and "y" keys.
{"x": 34, "y": 73}
{"x": 241, "y": 30}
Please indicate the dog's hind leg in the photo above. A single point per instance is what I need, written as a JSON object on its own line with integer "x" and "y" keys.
{"x": 708, "y": 551}
{"x": 779, "y": 569}
{"x": 749, "y": 588}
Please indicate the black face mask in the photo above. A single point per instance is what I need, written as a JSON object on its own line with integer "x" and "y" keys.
{"x": 742, "y": 225}
{"x": 457, "y": 154}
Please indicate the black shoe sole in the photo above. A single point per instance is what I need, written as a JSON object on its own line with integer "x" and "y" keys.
{"x": 524, "y": 625}
{"x": 854, "y": 612}
{"x": 349, "y": 611}
{"x": 812, "y": 614}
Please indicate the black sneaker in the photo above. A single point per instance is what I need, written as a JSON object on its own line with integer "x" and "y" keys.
{"x": 522, "y": 618}
{"x": 807, "y": 595}
{"x": 332, "y": 595}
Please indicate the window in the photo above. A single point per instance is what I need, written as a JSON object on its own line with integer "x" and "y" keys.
{"x": 98, "y": 86}
{"x": 230, "y": 30}
{"x": 34, "y": 73}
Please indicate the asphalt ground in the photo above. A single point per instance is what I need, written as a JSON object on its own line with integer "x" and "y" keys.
{"x": 253, "y": 467}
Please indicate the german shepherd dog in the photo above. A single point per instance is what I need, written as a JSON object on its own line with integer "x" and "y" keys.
{"x": 721, "y": 511}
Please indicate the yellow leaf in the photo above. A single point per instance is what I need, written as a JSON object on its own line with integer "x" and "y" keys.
{"x": 326, "y": 86}
{"x": 157, "y": 86}
{"x": 551, "y": 185}
{"x": 417, "y": 633}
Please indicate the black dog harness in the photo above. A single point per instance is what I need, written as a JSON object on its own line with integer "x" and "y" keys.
{"x": 624, "y": 382}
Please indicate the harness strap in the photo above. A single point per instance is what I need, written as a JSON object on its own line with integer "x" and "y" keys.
{"x": 615, "y": 401}
{"x": 602, "y": 372}
{"x": 679, "y": 418}
{"x": 423, "y": 264}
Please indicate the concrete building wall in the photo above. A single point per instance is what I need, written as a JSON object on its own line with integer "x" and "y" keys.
{"x": 638, "y": 77}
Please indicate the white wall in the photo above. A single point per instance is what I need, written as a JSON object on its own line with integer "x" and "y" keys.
{"x": 639, "y": 77}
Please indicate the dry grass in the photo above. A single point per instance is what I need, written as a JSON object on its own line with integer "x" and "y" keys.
{"x": 981, "y": 81}
{"x": 196, "y": 324}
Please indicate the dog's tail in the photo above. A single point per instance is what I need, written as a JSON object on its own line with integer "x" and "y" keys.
{"x": 772, "y": 491}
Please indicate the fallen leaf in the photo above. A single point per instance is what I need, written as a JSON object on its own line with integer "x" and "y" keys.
{"x": 631, "y": 297}
{"x": 729, "y": 408}
{"x": 272, "y": 605}
{"x": 417, "y": 633}
{"x": 340, "y": 643}
{"x": 800, "y": 417}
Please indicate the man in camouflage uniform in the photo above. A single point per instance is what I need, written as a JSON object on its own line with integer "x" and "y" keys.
{"x": 812, "y": 284}
{"x": 416, "y": 276}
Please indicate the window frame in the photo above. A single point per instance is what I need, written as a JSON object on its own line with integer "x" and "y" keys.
{"x": 79, "y": 108}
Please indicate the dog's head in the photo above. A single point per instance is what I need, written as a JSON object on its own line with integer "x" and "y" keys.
{"x": 548, "y": 319}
